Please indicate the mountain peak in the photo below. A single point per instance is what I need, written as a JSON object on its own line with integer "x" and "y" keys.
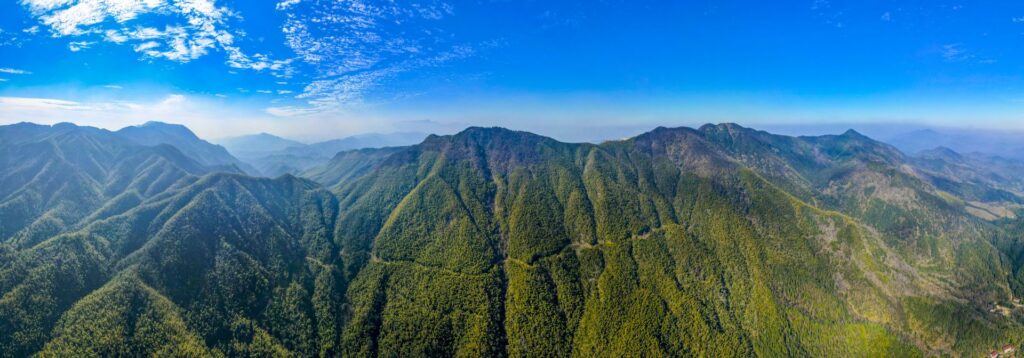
{"x": 490, "y": 135}
{"x": 65, "y": 125}
{"x": 727, "y": 126}
{"x": 853, "y": 134}
{"x": 940, "y": 152}
{"x": 486, "y": 130}
{"x": 165, "y": 126}
{"x": 175, "y": 129}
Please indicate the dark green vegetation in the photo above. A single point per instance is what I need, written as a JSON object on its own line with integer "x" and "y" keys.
{"x": 718, "y": 241}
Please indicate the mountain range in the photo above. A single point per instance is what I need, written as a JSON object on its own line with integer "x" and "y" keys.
{"x": 273, "y": 156}
{"x": 1006, "y": 144}
{"x": 713, "y": 241}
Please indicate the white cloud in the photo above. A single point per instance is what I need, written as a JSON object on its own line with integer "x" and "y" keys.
{"x": 8, "y": 38}
{"x": 285, "y": 4}
{"x": 265, "y": 91}
{"x": 76, "y": 46}
{"x": 13, "y": 71}
{"x": 115, "y": 87}
{"x": 3, "y": 80}
{"x": 39, "y": 103}
{"x": 290, "y": 111}
{"x": 355, "y": 46}
{"x": 31, "y": 30}
{"x": 193, "y": 29}
{"x": 173, "y": 100}
{"x": 208, "y": 117}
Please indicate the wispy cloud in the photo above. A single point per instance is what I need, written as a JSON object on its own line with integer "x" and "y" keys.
{"x": 954, "y": 53}
{"x": 14, "y": 71}
{"x": 354, "y": 46}
{"x": 76, "y": 46}
{"x": 346, "y": 50}
{"x": 207, "y": 116}
{"x": 193, "y": 28}
{"x": 9, "y": 38}
{"x": 23, "y": 103}
{"x": 827, "y": 13}
{"x": 114, "y": 87}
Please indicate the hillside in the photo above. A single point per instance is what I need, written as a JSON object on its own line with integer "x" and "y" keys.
{"x": 274, "y": 156}
{"x": 179, "y": 136}
{"x": 256, "y": 145}
{"x": 715, "y": 241}
{"x": 57, "y": 176}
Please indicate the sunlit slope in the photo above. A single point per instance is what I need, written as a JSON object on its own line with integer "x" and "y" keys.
{"x": 54, "y": 177}
{"x": 226, "y": 260}
{"x": 605, "y": 248}
{"x": 717, "y": 241}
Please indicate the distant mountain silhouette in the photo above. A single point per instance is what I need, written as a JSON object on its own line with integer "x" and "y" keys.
{"x": 155, "y": 133}
{"x": 273, "y": 156}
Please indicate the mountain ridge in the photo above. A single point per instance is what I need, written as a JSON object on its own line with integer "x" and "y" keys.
{"x": 274, "y": 155}
{"x": 720, "y": 240}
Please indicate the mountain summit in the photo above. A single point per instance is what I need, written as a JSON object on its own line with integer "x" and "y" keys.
{"x": 156, "y": 133}
{"x": 715, "y": 241}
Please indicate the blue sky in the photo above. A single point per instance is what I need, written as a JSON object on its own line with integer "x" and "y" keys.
{"x": 577, "y": 70}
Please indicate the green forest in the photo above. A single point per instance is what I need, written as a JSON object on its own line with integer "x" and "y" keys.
{"x": 718, "y": 241}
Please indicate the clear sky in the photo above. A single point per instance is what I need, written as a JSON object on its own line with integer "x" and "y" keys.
{"x": 576, "y": 70}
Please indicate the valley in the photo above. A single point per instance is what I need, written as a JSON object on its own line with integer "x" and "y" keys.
{"x": 712, "y": 241}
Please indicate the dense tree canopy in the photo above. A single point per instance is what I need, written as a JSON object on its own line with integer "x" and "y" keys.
{"x": 717, "y": 241}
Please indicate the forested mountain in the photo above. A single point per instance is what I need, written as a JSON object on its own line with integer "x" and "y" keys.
{"x": 273, "y": 156}
{"x": 54, "y": 177}
{"x": 976, "y": 177}
{"x": 717, "y": 241}
{"x": 349, "y": 164}
{"x": 256, "y": 145}
{"x": 179, "y": 136}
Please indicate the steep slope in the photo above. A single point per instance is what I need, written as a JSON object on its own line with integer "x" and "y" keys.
{"x": 716, "y": 241}
{"x": 348, "y": 165}
{"x": 157, "y": 133}
{"x": 610, "y": 250}
{"x": 56, "y": 176}
{"x": 229, "y": 264}
{"x": 992, "y": 186}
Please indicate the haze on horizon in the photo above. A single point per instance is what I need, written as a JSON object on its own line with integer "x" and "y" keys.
{"x": 573, "y": 70}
